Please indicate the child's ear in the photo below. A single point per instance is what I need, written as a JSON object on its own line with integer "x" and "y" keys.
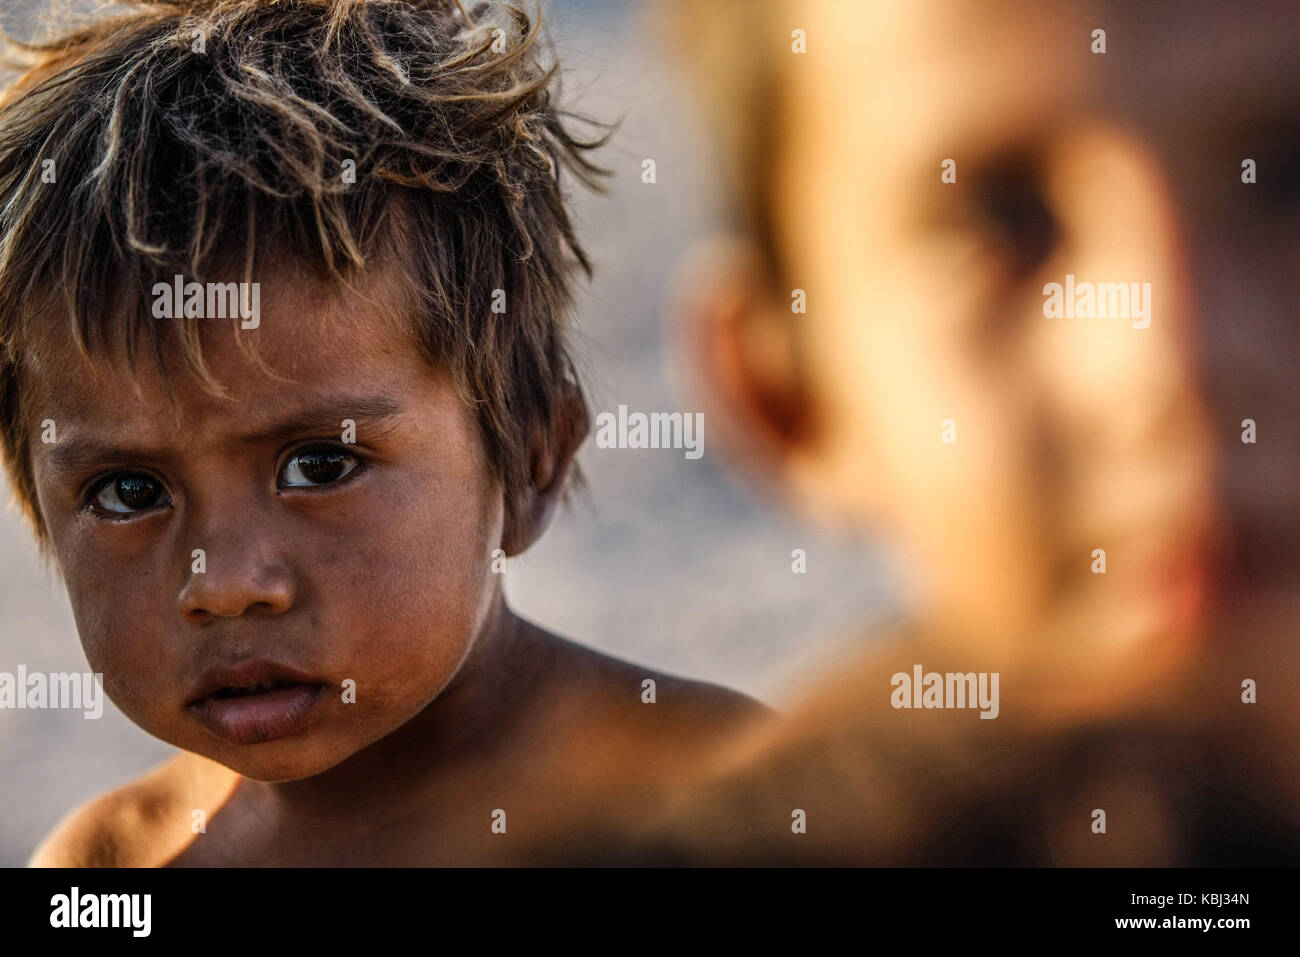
{"x": 550, "y": 462}
{"x": 741, "y": 343}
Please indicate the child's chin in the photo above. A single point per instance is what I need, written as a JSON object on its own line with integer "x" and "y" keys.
{"x": 276, "y": 762}
{"x": 277, "y": 769}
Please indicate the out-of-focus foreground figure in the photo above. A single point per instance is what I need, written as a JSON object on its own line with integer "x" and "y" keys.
{"x": 1014, "y": 284}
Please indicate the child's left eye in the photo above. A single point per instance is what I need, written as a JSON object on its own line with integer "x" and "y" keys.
{"x": 316, "y": 467}
{"x": 1017, "y": 213}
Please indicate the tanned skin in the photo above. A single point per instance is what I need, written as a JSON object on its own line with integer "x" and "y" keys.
{"x": 381, "y": 575}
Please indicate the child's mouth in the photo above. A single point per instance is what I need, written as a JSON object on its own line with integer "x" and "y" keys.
{"x": 254, "y": 702}
{"x": 255, "y": 689}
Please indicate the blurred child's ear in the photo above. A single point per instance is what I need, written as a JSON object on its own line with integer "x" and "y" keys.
{"x": 741, "y": 343}
{"x": 550, "y": 464}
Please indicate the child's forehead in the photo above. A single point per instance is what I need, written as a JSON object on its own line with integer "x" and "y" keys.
{"x": 308, "y": 335}
{"x": 103, "y": 411}
{"x": 923, "y": 62}
{"x": 886, "y": 78}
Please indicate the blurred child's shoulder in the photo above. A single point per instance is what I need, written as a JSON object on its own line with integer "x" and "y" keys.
{"x": 143, "y": 823}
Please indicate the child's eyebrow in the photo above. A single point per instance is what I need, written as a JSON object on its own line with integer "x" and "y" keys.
{"x": 375, "y": 411}
{"x": 373, "y": 414}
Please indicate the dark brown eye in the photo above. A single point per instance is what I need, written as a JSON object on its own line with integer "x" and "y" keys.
{"x": 128, "y": 492}
{"x": 1018, "y": 216}
{"x": 316, "y": 467}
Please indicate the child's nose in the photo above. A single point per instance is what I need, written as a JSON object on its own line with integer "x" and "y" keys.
{"x": 235, "y": 580}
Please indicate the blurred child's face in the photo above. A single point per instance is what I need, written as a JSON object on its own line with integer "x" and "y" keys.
{"x": 925, "y": 303}
{"x": 364, "y": 561}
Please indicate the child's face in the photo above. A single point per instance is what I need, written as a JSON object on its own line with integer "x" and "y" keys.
{"x": 366, "y": 562}
{"x": 925, "y": 303}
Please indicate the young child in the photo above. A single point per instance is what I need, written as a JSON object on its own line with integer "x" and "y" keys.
{"x": 283, "y": 298}
{"x": 1013, "y": 284}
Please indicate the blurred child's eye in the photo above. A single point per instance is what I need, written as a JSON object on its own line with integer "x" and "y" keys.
{"x": 318, "y": 466}
{"x": 126, "y": 493}
{"x": 1015, "y": 211}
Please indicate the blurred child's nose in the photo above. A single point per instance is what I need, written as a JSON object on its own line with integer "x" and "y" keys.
{"x": 1134, "y": 374}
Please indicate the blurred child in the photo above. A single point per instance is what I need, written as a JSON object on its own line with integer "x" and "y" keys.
{"x": 1012, "y": 284}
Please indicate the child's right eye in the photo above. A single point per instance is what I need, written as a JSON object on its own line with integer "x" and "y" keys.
{"x": 126, "y": 493}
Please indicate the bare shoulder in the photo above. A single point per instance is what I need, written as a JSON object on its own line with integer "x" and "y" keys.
{"x": 144, "y": 823}
{"x": 626, "y": 690}
{"x": 615, "y": 742}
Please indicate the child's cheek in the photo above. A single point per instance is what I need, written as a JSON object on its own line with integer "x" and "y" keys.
{"x": 413, "y": 585}
{"x": 140, "y": 667}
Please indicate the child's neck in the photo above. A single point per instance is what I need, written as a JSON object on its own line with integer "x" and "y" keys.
{"x": 409, "y": 767}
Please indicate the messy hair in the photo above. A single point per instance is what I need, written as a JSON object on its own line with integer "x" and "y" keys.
{"x": 201, "y": 136}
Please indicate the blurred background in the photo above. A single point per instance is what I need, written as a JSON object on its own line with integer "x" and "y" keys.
{"x": 664, "y": 560}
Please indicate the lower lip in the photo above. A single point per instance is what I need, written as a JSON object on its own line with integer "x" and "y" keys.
{"x": 256, "y": 718}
